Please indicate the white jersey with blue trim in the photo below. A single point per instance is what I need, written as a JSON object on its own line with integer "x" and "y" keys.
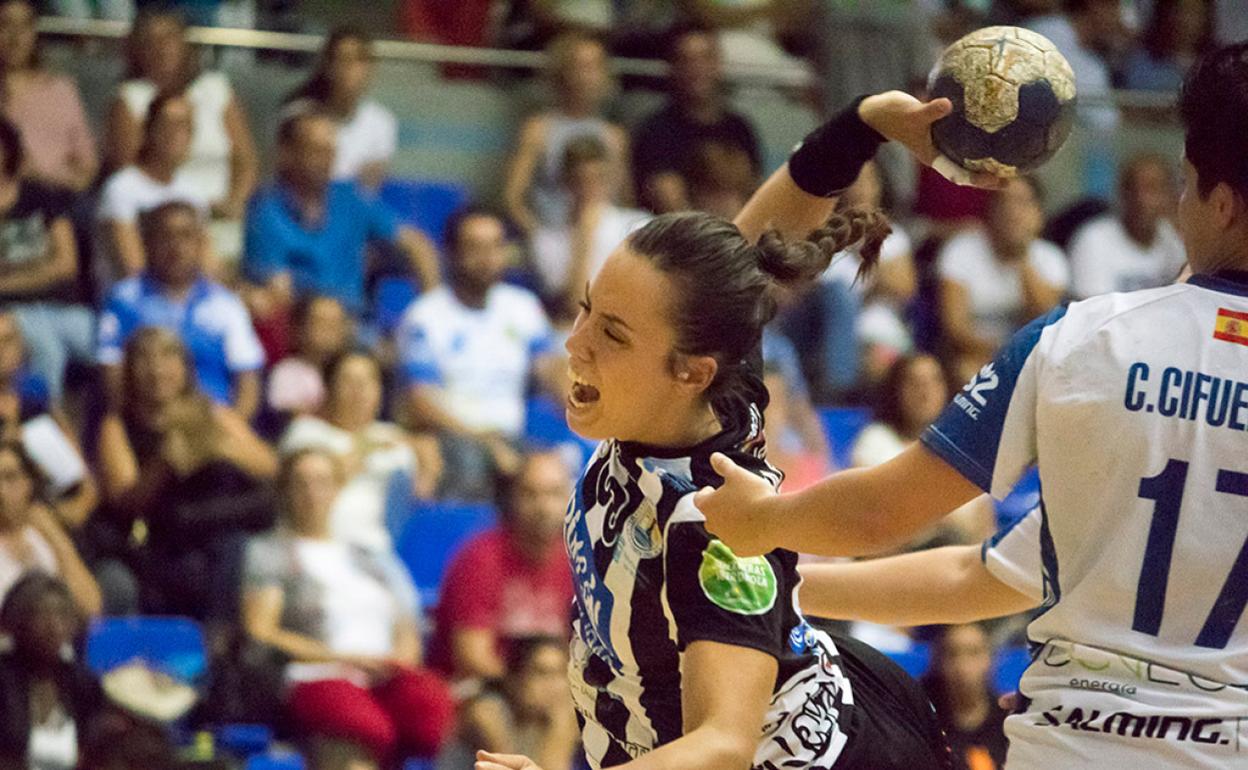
{"x": 1135, "y": 409}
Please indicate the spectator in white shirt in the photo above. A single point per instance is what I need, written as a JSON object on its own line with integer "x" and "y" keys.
{"x": 157, "y": 177}
{"x": 1136, "y": 247}
{"x": 568, "y": 256}
{"x": 467, "y": 350}
{"x": 370, "y": 451}
{"x": 996, "y": 279}
{"x": 367, "y": 132}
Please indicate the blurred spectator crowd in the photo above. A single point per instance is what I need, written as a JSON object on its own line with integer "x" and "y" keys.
{"x": 270, "y": 402}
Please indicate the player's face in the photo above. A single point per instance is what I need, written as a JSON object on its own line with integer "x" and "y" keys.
{"x": 620, "y": 356}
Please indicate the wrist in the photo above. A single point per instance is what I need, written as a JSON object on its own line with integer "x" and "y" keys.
{"x": 830, "y": 158}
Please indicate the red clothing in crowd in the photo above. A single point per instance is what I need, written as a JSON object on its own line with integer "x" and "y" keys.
{"x": 491, "y": 585}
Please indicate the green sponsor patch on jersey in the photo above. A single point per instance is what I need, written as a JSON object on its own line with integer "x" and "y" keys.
{"x": 744, "y": 586}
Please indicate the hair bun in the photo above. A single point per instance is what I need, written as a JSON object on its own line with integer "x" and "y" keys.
{"x": 794, "y": 262}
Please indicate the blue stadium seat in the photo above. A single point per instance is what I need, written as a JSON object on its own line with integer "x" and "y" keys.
{"x": 842, "y": 425}
{"x": 391, "y": 296}
{"x": 545, "y": 426}
{"x": 244, "y": 740}
{"x": 276, "y": 761}
{"x": 913, "y": 661}
{"x": 425, "y": 204}
{"x": 173, "y": 645}
{"x": 433, "y": 535}
{"x": 419, "y": 764}
{"x": 1007, "y": 668}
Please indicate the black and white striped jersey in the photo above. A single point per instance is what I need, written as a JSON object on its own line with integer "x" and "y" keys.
{"x": 650, "y": 580}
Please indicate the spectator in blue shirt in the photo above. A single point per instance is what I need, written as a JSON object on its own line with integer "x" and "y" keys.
{"x": 175, "y": 294}
{"x": 306, "y": 234}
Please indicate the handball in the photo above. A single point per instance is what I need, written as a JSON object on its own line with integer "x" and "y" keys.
{"x": 1013, "y": 99}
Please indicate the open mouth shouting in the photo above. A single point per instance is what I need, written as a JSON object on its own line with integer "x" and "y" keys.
{"x": 582, "y": 394}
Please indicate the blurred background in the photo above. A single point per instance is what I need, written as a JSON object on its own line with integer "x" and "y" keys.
{"x": 284, "y": 286}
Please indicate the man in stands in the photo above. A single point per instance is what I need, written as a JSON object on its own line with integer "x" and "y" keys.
{"x": 696, "y": 113}
{"x": 174, "y": 293}
{"x": 308, "y": 235}
{"x": 467, "y": 351}
{"x": 1136, "y": 247}
{"x": 512, "y": 582}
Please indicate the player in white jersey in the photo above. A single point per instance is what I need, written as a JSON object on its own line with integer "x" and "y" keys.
{"x": 1134, "y": 407}
{"x": 683, "y": 655}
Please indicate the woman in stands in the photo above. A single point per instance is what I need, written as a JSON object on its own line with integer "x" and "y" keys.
{"x": 347, "y": 620}
{"x": 47, "y": 698}
{"x": 683, "y": 654}
{"x": 223, "y": 165}
{"x": 193, "y": 472}
{"x": 45, "y": 107}
{"x": 368, "y": 133}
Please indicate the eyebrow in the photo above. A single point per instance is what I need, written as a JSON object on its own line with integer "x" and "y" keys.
{"x": 615, "y": 319}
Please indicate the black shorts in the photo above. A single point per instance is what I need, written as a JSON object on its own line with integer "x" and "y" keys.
{"x": 891, "y": 725}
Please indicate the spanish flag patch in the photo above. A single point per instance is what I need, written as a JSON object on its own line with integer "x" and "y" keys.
{"x": 1232, "y": 326}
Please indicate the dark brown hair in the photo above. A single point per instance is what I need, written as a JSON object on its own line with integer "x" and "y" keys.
{"x": 727, "y": 288}
{"x": 319, "y": 85}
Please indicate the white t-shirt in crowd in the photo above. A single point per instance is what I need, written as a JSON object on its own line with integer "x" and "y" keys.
{"x": 359, "y": 513}
{"x": 370, "y": 136}
{"x": 877, "y": 444}
{"x": 1103, "y": 258}
{"x": 552, "y": 246}
{"x": 879, "y": 322}
{"x": 127, "y": 194}
{"x": 994, "y": 288}
{"x": 35, "y": 554}
{"x": 480, "y": 359}
{"x": 210, "y": 94}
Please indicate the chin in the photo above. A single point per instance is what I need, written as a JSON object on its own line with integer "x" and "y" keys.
{"x": 586, "y": 422}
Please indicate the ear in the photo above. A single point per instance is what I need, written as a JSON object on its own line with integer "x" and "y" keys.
{"x": 1227, "y": 206}
{"x": 696, "y": 373}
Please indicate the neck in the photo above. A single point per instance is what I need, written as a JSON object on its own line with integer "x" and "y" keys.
{"x": 577, "y": 110}
{"x": 1141, "y": 231}
{"x": 342, "y": 105}
{"x": 1007, "y": 250}
{"x": 320, "y": 532}
{"x": 176, "y": 291}
{"x": 470, "y": 296}
{"x": 700, "y": 425}
{"x": 309, "y": 198}
{"x": 349, "y": 421}
{"x": 531, "y": 548}
{"x": 702, "y": 109}
{"x": 158, "y": 168}
{"x": 970, "y": 709}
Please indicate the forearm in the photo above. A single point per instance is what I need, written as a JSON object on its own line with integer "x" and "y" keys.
{"x": 33, "y": 278}
{"x": 781, "y": 205}
{"x": 426, "y": 413}
{"x": 864, "y": 511}
{"x": 943, "y": 585}
{"x": 81, "y": 584}
{"x": 247, "y": 394}
{"x": 704, "y": 748}
{"x": 297, "y": 647}
{"x": 422, "y": 257}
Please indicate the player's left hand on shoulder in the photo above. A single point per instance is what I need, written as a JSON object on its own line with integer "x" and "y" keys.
{"x": 489, "y": 761}
{"x": 740, "y": 511}
{"x": 900, "y": 117}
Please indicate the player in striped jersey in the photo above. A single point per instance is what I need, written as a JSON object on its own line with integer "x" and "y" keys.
{"x": 1134, "y": 407}
{"x": 685, "y": 656}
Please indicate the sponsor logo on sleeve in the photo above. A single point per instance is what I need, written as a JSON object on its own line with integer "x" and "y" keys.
{"x": 744, "y": 586}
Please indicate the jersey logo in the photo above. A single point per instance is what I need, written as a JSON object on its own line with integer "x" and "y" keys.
{"x": 746, "y": 586}
{"x": 1231, "y": 326}
{"x": 985, "y": 381}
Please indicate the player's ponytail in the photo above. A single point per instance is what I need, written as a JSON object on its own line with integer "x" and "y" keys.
{"x": 794, "y": 262}
{"x": 725, "y": 287}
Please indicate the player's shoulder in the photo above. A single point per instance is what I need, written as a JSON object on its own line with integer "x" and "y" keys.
{"x": 1091, "y": 318}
